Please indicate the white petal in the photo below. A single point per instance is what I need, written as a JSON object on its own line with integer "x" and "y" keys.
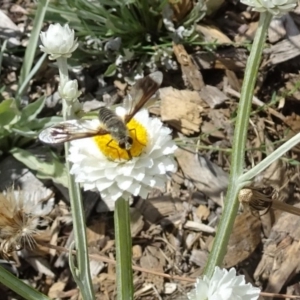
{"x": 103, "y": 185}
{"x": 144, "y": 192}
{"x": 134, "y": 188}
{"x": 124, "y": 183}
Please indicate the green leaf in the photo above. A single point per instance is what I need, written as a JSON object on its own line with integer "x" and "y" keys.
{"x": 33, "y": 41}
{"x": 23, "y": 131}
{"x": 111, "y": 70}
{"x": 30, "y": 129}
{"x": 32, "y": 110}
{"x": 53, "y": 168}
{"x": 39, "y": 124}
{"x": 22, "y": 86}
{"x": 20, "y": 287}
{"x": 8, "y": 112}
{"x": 294, "y": 162}
{"x": 3, "y": 48}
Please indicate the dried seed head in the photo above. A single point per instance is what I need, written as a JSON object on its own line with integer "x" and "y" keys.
{"x": 259, "y": 203}
{"x": 255, "y": 201}
{"x": 19, "y": 221}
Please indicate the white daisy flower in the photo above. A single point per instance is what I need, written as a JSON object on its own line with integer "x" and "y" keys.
{"x": 58, "y": 41}
{"x": 275, "y": 7}
{"x": 99, "y": 163}
{"x": 224, "y": 285}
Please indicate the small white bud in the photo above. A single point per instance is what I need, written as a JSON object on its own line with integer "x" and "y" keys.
{"x": 69, "y": 91}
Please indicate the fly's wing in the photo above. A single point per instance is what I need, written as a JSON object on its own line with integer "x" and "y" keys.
{"x": 68, "y": 131}
{"x": 141, "y": 92}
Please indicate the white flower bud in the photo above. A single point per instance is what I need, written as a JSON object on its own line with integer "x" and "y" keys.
{"x": 58, "y": 41}
{"x": 69, "y": 91}
{"x": 275, "y": 7}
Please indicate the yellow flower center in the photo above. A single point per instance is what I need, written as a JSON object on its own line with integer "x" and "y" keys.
{"x": 111, "y": 149}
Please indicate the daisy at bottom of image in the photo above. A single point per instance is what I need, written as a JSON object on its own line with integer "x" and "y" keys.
{"x": 224, "y": 285}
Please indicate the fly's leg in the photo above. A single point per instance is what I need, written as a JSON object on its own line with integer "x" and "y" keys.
{"x": 128, "y": 152}
{"x": 133, "y": 129}
{"x": 113, "y": 148}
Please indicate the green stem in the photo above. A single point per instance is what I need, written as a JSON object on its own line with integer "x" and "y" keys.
{"x": 238, "y": 152}
{"x": 123, "y": 250}
{"x": 63, "y": 70}
{"x": 81, "y": 274}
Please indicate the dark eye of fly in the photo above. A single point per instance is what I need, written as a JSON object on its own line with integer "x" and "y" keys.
{"x": 130, "y": 140}
{"x": 122, "y": 145}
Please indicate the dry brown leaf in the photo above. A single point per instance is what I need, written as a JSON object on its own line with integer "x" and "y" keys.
{"x": 293, "y": 122}
{"x": 212, "y": 34}
{"x": 181, "y": 109}
{"x": 136, "y": 252}
{"x": 246, "y": 33}
{"x": 233, "y": 80}
{"x": 244, "y": 239}
{"x": 276, "y": 30}
{"x": 199, "y": 257}
{"x": 289, "y": 47}
{"x": 191, "y": 238}
{"x": 231, "y": 58}
{"x": 282, "y": 52}
{"x": 221, "y": 120}
{"x": 209, "y": 178}
{"x": 136, "y": 222}
{"x": 212, "y": 96}
{"x": 96, "y": 231}
{"x": 202, "y": 212}
{"x": 153, "y": 260}
{"x": 190, "y": 71}
{"x": 281, "y": 260}
{"x": 209, "y": 129}
{"x": 154, "y": 209}
{"x": 56, "y": 288}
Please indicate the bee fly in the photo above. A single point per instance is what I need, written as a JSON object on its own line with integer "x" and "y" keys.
{"x": 111, "y": 123}
{"x": 117, "y": 128}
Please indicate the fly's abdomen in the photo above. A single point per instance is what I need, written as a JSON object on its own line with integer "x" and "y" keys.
{"x": 105, "y": 114}
{"x": 113, "y": 123}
